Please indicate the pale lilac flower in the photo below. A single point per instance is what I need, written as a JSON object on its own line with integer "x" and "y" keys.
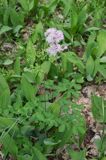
{"x": 50, "y": 30}
{"x": 56, "y": 48}
{"x": 54, "y": 36}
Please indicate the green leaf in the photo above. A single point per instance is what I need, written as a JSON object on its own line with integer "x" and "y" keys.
{"x": 27, "y": 89}
{"x": 31, "y": 4}
{"x": 104, "y": 158}
{"x": 99, "y": 108}
{"x": 90, "y": 66}
{"x": 45, "y": 67}
{"x": 74, "y": 59}
{"x": 74, "y": 20}
{"x": 6, "y": 122}
{"x": 52, "y": 5}
{"x": 24, "y": 4}
{"x": 97, "y": 65}
{"x": 9, "y": 144}
{"x": 6, "y": 16}
{"x": 16, "y": 18}
{"x": 67, "y": 7}
{"x": 27, "y": 5}
{"x": 17, "y": 68}
{"x": 102, "y": 70}
{"x": 55, "y": 108}
{"x": 4, "y": 93}
{"x": 38, "y": 155}
{"x": 91, "y": 48}
{"x": 49, "y": 142}
{"x": 101, "y": 39}
{"x": 5, "y": 29}
{"x": 82, "y": 17}
{"x": 62, "y": 128}
{"x": 103, "y": 59}
{"x": 7, "y": 62}
{"x": 30, "y": 53}
{"x": 38, "y": 32}
{"x": 92, "y": 29}
{"x": 75, "y": 155}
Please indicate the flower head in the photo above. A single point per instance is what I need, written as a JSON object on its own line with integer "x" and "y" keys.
{"x": 54, "y": 37}
{"x": 56, "y": 48}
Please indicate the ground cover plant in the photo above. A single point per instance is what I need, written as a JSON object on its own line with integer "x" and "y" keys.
{"x": 52, "y": 80}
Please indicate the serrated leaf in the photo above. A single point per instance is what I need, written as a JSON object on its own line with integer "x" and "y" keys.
{"x": 17, "y": 68}
{"x": 30, "y": 53}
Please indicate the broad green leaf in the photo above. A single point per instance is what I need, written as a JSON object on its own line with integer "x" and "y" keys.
{"x": 90, "y": 66}
{"x": 45, "y": 67}
{"x": 99, "y": 108}
{"x": 102, "y": 70}
{"x": 5, "y": 29}
{"x": 6, "y": 122}
{"x": 49, "y": 142}
{"x": 7, "y": 62}
{"x": 6, "y": 16}
{"x": 38, "y": 155}
{"x": 31, "y": 4}
{"x": 67, "y": 6}
{"x": 91, "y": 47}
{"x": 97, "y": 65}
{"x": 52, "y": 5}
{"x": 55, "y": 108}
{"x": 92, "y": 29}
{"x": 75, "y": 155}
{"x": 24, "y": 4}
{"x": 103, "y": 59}
{"x": 27, "y": 89}
{"x": 9, "y": 144}
{"x": 82, "y": 17}
{"x": 29, "y": 76}
{"x": 74, "y": 59}
{"x": 101, "y": 39}
{"x": 73, "y": 19}
{"x": 38, "y": 32}
{"x": 62, "y": 128}
{"x": 4, "y": 93}
{"x": 17, "y": 29}
{"x": 16, "y": 18}
{"x": 104, "y": 158}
